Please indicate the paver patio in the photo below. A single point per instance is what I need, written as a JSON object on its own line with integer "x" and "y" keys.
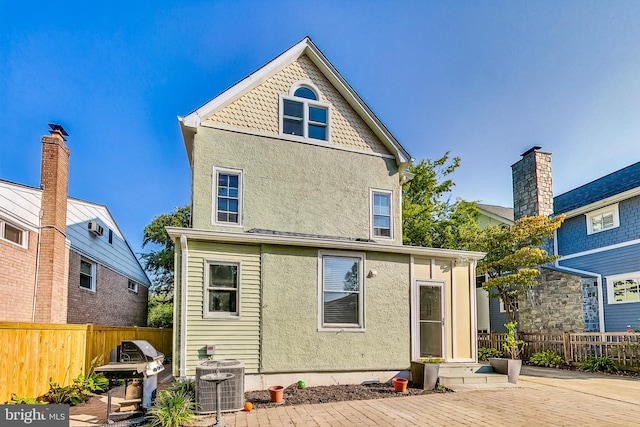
{"x": 558, "y": 398}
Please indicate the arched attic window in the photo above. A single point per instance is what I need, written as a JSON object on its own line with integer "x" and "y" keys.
{"x": 302, "y": 114}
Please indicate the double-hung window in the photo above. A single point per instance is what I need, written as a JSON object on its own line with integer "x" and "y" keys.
{"x": 303, "y": 115}
{"x": 341, "y": 291}
{"x": 623, "y": 288}
{"x": 228, "y": 196}
{"x": 603, "y": 219}
{"x": 381, "y": 214}
{"x": 13, "y": 234}
{"x": 222, "y": 289}
{"x": 87, "y": 275}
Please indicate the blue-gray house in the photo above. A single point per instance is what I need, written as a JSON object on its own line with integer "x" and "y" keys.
{"x": 600, "y": 238}
{"x": 595, "y": 285}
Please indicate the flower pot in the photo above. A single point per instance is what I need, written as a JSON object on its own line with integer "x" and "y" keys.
{"x": 276, "y": 393}
{"x": 400, "y": 385}
{"x": 425, "y": 375}
{"x": 509, "y": 367}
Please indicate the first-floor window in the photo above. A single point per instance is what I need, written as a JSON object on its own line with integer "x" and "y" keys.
{"x": 624, "y": 288}
{"x": 13, "y": 234}
{"x": 87, "y": 275}
{"x": 132, "y": 286}
{"x": 341, "y": 291}
{"x": 222, "y": 289}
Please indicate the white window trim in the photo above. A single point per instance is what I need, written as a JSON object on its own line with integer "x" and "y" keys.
{"x": 214, "y": 194}
{"x": 133, "y": 289}
{"x": 93, "y": 276}
{"x": 373, "y": 191}
{"x": 611, "y": 279}
{"x": 361, "y": 302}
{"x": 24, "y": 241}
{"x": 590, "y": 215}
{"x": 305, "y": 112}
{"x": 206, "y": 314}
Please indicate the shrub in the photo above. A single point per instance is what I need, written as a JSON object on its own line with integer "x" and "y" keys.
{"x": 485, "y": 353}
{"x": 546, "y": 358}
{"x": 186, "y": 386}
{"x": 19, "y": 400}
{"x": 598, "y": 364}
{"x": 95, "y": 383}
{"x": 171, "y": 409}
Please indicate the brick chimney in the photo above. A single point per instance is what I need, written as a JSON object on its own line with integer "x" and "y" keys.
{"x": 53, "y": 254}
{"x": 532, "y": 190}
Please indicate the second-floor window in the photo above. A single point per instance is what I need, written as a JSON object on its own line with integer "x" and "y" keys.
{"x": 13, "y": 234}
{"x": 603, "y": 219}
{"x": 303, "y": 115}
{"x": 228, "y": 196}
{"x": 381, "y": 214}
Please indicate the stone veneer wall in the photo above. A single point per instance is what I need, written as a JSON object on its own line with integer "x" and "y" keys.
{"x": 555, "y": 305}
{"x": 590, "y": 305}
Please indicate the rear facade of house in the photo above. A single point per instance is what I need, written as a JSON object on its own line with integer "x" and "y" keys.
{"x": 295, "y": 262}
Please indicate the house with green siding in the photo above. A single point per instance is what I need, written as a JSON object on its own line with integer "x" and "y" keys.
{"x": 294, "y": 264}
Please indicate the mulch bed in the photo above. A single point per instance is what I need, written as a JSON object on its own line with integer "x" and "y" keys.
{"x": 618, "y": 373}
{"x": 293, "y": 395}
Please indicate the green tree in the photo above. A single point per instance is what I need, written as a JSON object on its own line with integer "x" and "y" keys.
{"x": 428, "y": 216}
{"x": 160, "y": 313}
{"x": 514, "y": 254}
{"x": 159, "y": 262}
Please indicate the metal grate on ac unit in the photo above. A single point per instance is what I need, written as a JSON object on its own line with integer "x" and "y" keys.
{"x": 231, "y": 391}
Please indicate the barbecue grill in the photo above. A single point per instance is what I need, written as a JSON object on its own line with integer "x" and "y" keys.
{"x": 138, "y": 364}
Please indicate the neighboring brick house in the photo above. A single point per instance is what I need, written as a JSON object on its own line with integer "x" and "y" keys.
{"x": 64, "y": 260}
{"x": 595, "y": 285}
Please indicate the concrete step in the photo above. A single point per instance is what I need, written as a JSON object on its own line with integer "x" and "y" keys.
{"x": 470, "y": 375}
{"x": 464, "y": 368}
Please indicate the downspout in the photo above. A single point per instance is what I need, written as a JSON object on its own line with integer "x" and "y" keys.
{"x": 183, "y": 306}
{"x": 584, "y": 273}
{"x": 474, "y": 311}
{"x": 35, "y": 285}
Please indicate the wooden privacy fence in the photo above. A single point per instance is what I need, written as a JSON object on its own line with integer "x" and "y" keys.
{"x": 32, "y": 354}
{"x": 622, "y": 347}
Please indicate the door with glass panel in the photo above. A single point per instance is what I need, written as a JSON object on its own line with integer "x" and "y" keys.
{"x": 430, "y": 318}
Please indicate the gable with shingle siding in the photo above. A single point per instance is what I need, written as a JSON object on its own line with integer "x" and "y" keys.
{"x": 257, "y": 110}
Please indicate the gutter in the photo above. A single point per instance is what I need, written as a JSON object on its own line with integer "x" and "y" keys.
{"x": 183, "y": 304}
{"x": 318, "y": 242}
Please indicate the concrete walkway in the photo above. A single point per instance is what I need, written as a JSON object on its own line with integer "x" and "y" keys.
{"x": 542, "y": 397}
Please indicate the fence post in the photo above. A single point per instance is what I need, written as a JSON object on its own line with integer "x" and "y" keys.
{"x": 88, "y": 348}
{"x": 566, "y": 345}
{"x": 492, "y": 339}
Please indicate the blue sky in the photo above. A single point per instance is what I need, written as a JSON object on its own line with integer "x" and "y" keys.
{"x": 485, "y": 80}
